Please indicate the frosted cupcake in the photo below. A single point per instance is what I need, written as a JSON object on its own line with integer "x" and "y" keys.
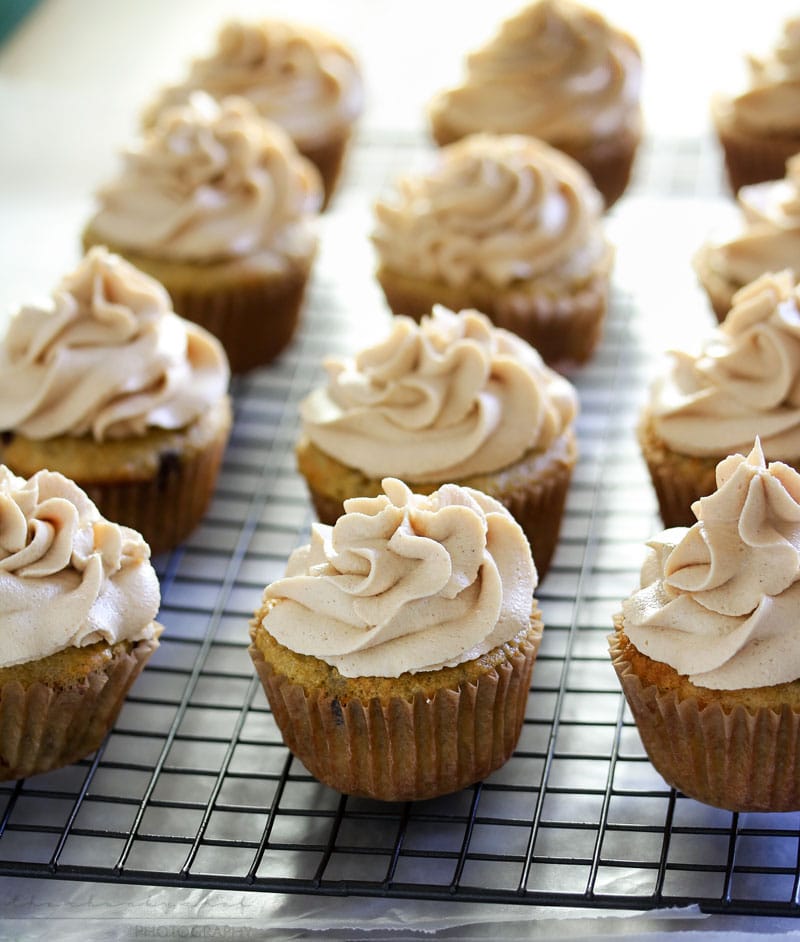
{"x": 396, "y": 653}
{"x": 107, "y": 385}
{"x": 216, "y": 204}
{"x": 452, "y": 399}
{"x": 507, "y": 225}
{"x": 78, "y": 599}
{"x": 706, "y": 650}
{"x": 559, "y": 72}
{"x": 759, "y": 128}
{"x": 742, "y": 382}
{"x": 298, "y": 77}
{"x": 769, "y": 240}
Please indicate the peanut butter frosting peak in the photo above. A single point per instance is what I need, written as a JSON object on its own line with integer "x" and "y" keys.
{"x": 405, "y": 582}
{"x": 556, "y": 70}
{"x": 719, "y": 600}
{"x": 209, "y": 182}
{"x": 446, "y": 398}
{"x": 499, "y": 208}
{"x": 68, "y": 577}
{"x": 107, "y": 358}
{"x": 299, "y": 77}
{"x": 744, "y": 381}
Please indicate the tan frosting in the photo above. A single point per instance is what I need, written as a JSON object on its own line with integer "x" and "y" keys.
{"x": 106, "y": 357}
{"x": 719, "y": 601}
{"x": 743, "y": 382}
{"x": 404, "y": 582}
{"x": 556, "y": 71}
{"x": 501, "y": 208}
{"x": 769, "y": 105}
{"x": 440, "y": 400}
{"x": 68, "y": 577}
{"x": 212, "y": 181}
{"x": 769, "y": 239}
{"x": 298, "y": 77}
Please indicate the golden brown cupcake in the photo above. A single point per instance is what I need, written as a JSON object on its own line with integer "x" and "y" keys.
{"x": 297, "y": 76}
{"x": 759, "y": 128}
{"x": 396, "y": 653}
{"x": 217, "y": 205}
{"x": 79, "y": 598}
{"x": 706, "y": 649}
{"x": 507, "y": 225}
{"x": 559, "y": 72}
{"x": 767, "y": 241}
{"x": 740, "y": 383}
{"x": 108, "y": 386}
{"x": 451, "y": 399}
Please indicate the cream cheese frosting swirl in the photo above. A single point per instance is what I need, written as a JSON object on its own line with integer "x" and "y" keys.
{"x": 743, "y": 382}
{"x": 500, "y": 208}
{"x": 769, "y": 239}
{"x": 405, "y": 582}
{"x": 68, "y": 577}
{"x": 107, "y": 357}
{"x": 769, "y": 105}
{"x": 212, "y": 181}
{"x": 719, "y": 600}
{"x": 440, "y": 400}
{"x": 556, "y": 70}
{"x": 301, "y": 78}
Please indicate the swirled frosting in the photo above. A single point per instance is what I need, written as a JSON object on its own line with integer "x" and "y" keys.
{"x": 556, "y": 71}
{"x": 769, "y": 239}
{"x": 501, "y": 208}
{"x": 743, "y": 382}
{"x": 298, "y": 77}
{"x": 719, "y": 600}
{"x": 107, "y": 357}
{"x": 212, "y": 181}
{"x": 440, "y": 400}
{"x": 68, "y": 577}
{"x": 404, "y": 582}
{"x": 769, "y": 104}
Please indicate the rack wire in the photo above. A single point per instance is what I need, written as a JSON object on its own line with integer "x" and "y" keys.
{"x": 194, "y": 787}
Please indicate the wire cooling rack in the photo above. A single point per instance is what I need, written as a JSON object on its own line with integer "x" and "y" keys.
{"x": 194, "y": 786}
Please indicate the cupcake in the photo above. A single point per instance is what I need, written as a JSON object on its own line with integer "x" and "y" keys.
{"x": 706, "y": 649}
{"x": 759, "y": 128}
{"x": 769, "y": 240}
{"x": 297, "y": 77}
{"x": 559, "y": 72}
{"x": 507, "y": 225}
{"x": 743, "y": 381}
{"x": 217, "y": 205}
{"x": 76, "y": 623}
{"x": 108, "y": 386}
{"x": 396, "y": 653}
{"x": 451, "y": 399}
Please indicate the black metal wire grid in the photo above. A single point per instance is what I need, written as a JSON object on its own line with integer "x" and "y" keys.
{"x": 194, "y": 787}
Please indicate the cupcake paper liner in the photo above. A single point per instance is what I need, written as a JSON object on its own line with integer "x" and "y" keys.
{"x": 608, "y": 162}
{"x": 755, "y": 159}
{"x": 399, "y": 749}
{"x": 328, "y": 158}
{"x": 730, "y": 758}
{"x": 45, "y": 727}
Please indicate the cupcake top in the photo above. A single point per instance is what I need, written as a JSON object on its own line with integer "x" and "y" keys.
{"x": 769, "y": 104}
{"x": 719, "y": 600}
{"x": 106, "y": 357}
{"x": 405, "y": 582}
{"x": 298, "y": 77}
{"x": 769, "y": 239}
{"x": 556, "y": 70}
{"x": 446, "y": 398}
{"x": 68, "y": 577}
{"x": 498, "y": 208}
{"x": 212, "y": 181}
{"x": 744, "y": 381}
